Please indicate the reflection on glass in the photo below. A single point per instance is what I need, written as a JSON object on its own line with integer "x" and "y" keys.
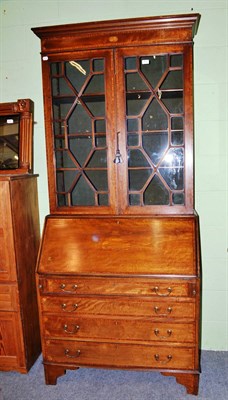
{"x": 155, "y": 129}
{"x": 155, "y": 145}
{"x": 9, "y": 142}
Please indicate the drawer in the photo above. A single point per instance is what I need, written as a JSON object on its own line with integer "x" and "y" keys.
{"x": 117, "y": 286}
{"x": 120, "y": 355}
{"x": 8, "y": 298}
{"x": 112, "y": 305}
{"x": 123, "y": 329}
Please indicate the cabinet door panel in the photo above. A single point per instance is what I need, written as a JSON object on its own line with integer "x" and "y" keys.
{"x": 80, "y": 132}
{"x": 8, "y": 297}
{"x": 7, "y": 254}
{"x": 11, "y": 342}
{"x": 155, "y": 125}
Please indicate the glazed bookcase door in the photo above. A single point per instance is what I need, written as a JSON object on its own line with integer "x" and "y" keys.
{"x": 156, "y": 129}
{"x": 80, "y": 132}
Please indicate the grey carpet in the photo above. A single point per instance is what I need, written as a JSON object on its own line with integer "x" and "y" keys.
{"x": 99, "y": 384}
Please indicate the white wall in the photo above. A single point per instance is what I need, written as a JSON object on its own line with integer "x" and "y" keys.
{"x": 20, "y": 77}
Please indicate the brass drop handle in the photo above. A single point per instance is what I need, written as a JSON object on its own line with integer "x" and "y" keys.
{"x": 63, "y": 286}
{"x": 73, "y": 307}
{"x": 157, "y": 311}
{"x": 166, "y": 361}
{"x": 74, "y": 329}
{"x": 156, "y": 289}
{"x": 157, "y": 333}
{"x": 75, "y": 355}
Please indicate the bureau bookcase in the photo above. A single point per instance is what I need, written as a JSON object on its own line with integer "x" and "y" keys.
{"x": 118, "y": 272}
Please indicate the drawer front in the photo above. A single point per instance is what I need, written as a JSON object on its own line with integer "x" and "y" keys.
{"x": 117, "y": 286}
{"x": 77, "y": 305}
{"x": 8, "y": 298}
{"x": 121, "y": 355}
{"x": 118, "y": 329}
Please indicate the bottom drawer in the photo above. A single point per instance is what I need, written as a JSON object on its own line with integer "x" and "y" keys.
{"x": 118, "y": 355}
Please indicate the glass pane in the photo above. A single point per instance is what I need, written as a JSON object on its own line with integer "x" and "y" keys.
{"x": 60, "y": 87}
{"x": 177, "y": 138}
{"x": 98, "y": 159}
{"x": 132, "y": 125}
{"x": 103, "y": 200}
{"x": 137, "y": 159}
{"x": 82, "y": 194}
{"x": 98, "y": 179}
{"x": 135, "y": 82}
{"x": 153, "y": 67}
{"x": 96, "y": 106}
{"x": 178, "y": 198}
{"x": 98, "y": 65}
{"x": 154, "y": 118}
{"x": 63, "y": 159}
{"x": 174, "y": 80}
{"x": 130, "y": 63}
{"x": 99, "y": 126}
{"x": 155, "y": 145}
{"x": 62, "y": 200}
{"x": 177, "y": 123}
{"x": 80, "y": 148}
{"x": 65, "y": 179}
{"x": 174, "y": 158}
{"x": 100, "y": 141}
{"x": 136, "y": 102}
{"x": 156, "y": 193}
{"x": 95, "y": 85}
{"x": 9, "y": 141}
{"x": 59, "y": 143}
{"x": 79, "y": 121}
{"x": 61, "y": 109}
{"x": 77, "y": 72}
{"x": 173, "y": 101}
{"x": 138, "y": 178}
{"x": 56, "y": 68}
{"x": 174, "y": 177}
{"x": 132, "y": 140}
{"x": 176, "y": 60}
{"x": 134, "y": 200}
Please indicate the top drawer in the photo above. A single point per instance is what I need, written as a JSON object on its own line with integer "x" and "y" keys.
{"x": 119, "y": 286}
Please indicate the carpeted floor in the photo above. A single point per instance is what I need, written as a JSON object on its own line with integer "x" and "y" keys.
{"x": 98, "y": 384}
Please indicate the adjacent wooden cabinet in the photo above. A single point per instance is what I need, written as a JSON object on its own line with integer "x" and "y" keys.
{"x": 19, "y": 242}
{"x": 118, "y": 272}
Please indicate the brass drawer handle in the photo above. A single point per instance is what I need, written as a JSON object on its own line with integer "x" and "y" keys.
{"x": 156, "y": 290}
{"x": 157, "y": 311}
{"x": 157, "y": 333}
{"x": 73, "y": 308}
{"x": 74, "y": 329}
{"x": 157, "y": 358}
{"x": 63, "y": 287}
{"x": 67, "y": 354}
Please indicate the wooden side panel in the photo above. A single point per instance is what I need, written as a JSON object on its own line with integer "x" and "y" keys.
{"x": 7, "y": 254}
{"x": 139, "y": 246}
{"x": 27, "y": 234}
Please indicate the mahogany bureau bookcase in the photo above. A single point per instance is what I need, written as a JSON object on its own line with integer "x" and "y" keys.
{"x": 19, "y": 239}
{"x": 118, "y": 272}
